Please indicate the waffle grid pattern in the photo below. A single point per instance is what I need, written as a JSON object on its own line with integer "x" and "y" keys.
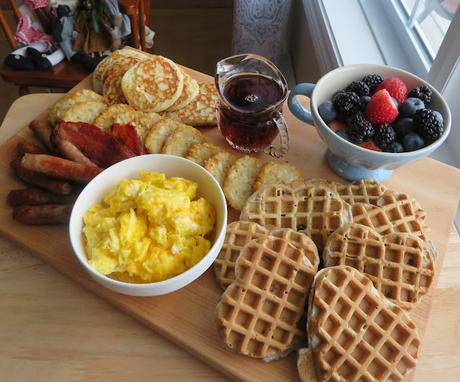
{"x": 399, "y": 265}
{"x": 259, "y": 313}
{"x": 372, "y": 216}
{"x": 238, "y": 234}
{"x": 358, "y": 336}
{"x": 315, "y": 211}
{"x": 404, "y": 213}
{"x": 362, "y": 191}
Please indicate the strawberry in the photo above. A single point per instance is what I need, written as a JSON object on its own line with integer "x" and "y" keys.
{"x": 396, "y": 87}
{"x": 370, "y": 146}
{"x": 381, "y": 108}
{"x": 336, "y": 125}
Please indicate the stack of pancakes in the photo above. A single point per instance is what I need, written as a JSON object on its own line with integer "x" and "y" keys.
{"x": 352, "y": 314}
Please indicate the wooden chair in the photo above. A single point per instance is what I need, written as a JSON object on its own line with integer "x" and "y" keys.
{"x": 66, "y": 75}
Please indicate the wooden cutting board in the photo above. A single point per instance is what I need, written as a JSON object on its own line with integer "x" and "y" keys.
{"x": 187, "y": 317}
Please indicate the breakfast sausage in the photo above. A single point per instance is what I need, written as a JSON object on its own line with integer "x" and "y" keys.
{"x": 42, "y": 130}
{"x": 45, "y": 214}
{"x": 71, "y": 152}
{"x": 28, "y": 146}
{"x": 36, "y": 179}
{"x": 35, "y": 197}
{"x": 59, "y": 168}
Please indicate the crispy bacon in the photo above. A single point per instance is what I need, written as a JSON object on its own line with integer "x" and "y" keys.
{"x": 42, "y": 130}
{"x": 127, "y": 135}
{"x": 97, "y": 145}
{"x": 44, "y": 214}
{"x": 36, "y": 179}
{"x": 36, "y": 197}
{"x": 59, "y": 168}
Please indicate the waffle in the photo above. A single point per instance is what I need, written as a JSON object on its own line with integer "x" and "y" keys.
{"x": 259, "y": 314}
{"x": 361, "y": 191}
{"x": 400, "y": 265}
{"x": 355, "y": 333}
{"x": 404, "y": 212}
{"x": 315, "y": 211}
{"x": 238, "y": 234}
{"x": 374, "y": 217}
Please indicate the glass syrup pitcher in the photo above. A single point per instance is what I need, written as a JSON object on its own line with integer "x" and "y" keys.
{"x": 252, "y": 91}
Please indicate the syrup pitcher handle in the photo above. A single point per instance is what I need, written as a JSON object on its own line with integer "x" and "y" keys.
{"x": 296, "y": 108}
{"x": 284, "y": 138}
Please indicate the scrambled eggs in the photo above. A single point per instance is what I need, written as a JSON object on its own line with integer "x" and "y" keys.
{"x": 148, "y": 229}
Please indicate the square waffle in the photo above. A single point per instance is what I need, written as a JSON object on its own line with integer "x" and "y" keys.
{"x": 355, "y": 333}
{"x": 259, "y": 314}
{"x": 401, "y": 266}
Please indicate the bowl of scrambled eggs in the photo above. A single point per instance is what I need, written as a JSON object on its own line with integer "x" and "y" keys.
{"x": 149, "y": 225}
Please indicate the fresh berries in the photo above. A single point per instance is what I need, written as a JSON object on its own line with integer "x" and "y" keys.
{"x": 410, "y": 106}
{"x": 412, "y": 142}
{"x": 395, "y": 147}
{"x": 359, "y": 88}
{"x": 327, "y": 111}
{"x": 370, "y": 146}
{"x": 384, "y": 135}
{"x": 359, "y": 129}
{"x": 372, "y": 80}
{"x": 395, "y": 86}
{"x": 380, "y": 108}
{"x": 428, "y": 124}
{"x": 378, "y": 114}
{"x": 422, "y": 92}
{"x": 346, "y": 103}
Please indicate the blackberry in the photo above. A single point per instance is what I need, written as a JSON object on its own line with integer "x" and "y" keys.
{"x": 372, "y": 81}
{"x": 384, "y": 135}
{"x": 428, "y": 125}
{"x": 421, "y": 92}
{"x": 346, "y": 103}
{"x": 358, "y": 87}
{"x": 359, "y": 128}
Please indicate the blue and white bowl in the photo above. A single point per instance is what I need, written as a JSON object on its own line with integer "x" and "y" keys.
{"x": 348, "y": 160}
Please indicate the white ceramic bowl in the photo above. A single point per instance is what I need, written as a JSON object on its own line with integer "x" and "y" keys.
{"x": 130, "y": 168}
{"x": 347, "y": 159}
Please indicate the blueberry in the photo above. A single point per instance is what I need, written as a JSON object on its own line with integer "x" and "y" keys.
{"x": 412, "y": 142}
{"x": 343, "y": 133}
{"x": 410, "y": 106}
{"x": 394, "y": 101}
{"x": 439, "y": 116}
{"x": 403, "y": 126}
{"x": 327, "y": 111}
{"x": 395, "y": 147}
{"x": 363, "y": 101}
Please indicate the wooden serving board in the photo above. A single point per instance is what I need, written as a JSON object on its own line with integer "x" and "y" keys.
{"x": 187, "y": 317}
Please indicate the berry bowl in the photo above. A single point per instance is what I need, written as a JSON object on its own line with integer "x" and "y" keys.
{"x": 371, "y": 136}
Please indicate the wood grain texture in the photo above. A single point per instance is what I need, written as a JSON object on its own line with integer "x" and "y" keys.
{"x": 195, "y": 304}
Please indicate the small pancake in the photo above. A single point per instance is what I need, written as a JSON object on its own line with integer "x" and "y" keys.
{"x": 111, "y": 83}
{"x": 200, "y": 152}
{"x": 58, "y": 110}
{"x": 118, "y": 113}
{"x": 157, "y": 134}
{"x": 219, "y": 164}
{"x": 145, "y": 120}
{"x": 84, "y": 112}
{"x": 201, "y": 111}
{"x": 240, "y": 180}
{"x": 153, "y": 85}
{"x": 189, "y": 93}
{"x": 277, "y": 172}
{"x": 181, "y": 140}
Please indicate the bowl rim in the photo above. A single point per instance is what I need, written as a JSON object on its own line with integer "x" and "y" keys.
{"x": 157, "y": 284}
{"x": 382, "y": 154}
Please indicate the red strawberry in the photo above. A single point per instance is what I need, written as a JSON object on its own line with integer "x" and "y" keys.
{"x": 370, "y": 146}
{"x": 336, "y": 125}
{"x": 381, "y": 108}
{"x": 395, "y": 86}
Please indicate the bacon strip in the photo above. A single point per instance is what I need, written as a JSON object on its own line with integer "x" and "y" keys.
{"x": 45, "y": 214}
{"x": 127, "y": 135}
{"x": 97, "y": 145}
{"x": 36, "y": 179}
{"x": 42, "y": 130}
{"x": 36, "y": 197}
{"x": 59, "y": 168}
